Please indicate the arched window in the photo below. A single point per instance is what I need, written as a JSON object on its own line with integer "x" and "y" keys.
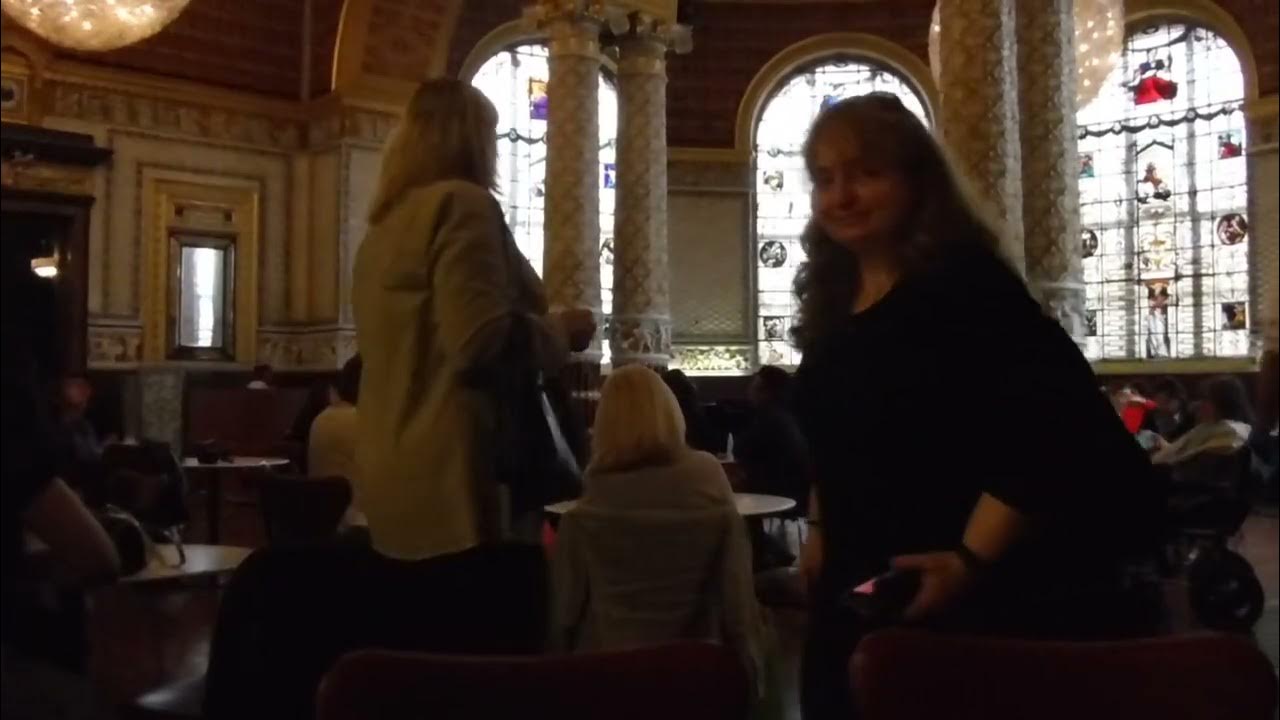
{"x": 1163, "y": 201}
{"x": 782, "y": 185}
{"x": 515, "y": 81}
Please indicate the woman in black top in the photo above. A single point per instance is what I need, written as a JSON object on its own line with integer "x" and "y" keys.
{"x": 1020, "y": 517}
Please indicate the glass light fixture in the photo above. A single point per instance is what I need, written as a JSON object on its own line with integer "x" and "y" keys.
{"x": 93, "y": 25}
{"x": 1099, "y": 38}
{"x": 45, "y": 267}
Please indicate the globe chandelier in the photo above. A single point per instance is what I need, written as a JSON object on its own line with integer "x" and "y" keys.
{"x": 1099, "y": 38}
{"x": 93, "y": 25}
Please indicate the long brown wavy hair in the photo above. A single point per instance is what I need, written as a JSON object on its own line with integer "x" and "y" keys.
{"x": 942, "y": 217}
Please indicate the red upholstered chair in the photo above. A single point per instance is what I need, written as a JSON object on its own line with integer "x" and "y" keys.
{"x": 693, "y": 681}
{"x": 912, "y": 675}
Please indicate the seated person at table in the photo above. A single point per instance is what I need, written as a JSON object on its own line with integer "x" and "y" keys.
{"x": 1132, "y": 405}
{"x": 699, "y": 433}
{"x": 1173, "y": 416}
{"x": 42, "y": 647}
{"x": 1223, "y": 427}
{"x": 262, "y": 377}
{"x": 331, "y": 449}
{"x": 655, "y": 550}
{"x": 772, "y": 451}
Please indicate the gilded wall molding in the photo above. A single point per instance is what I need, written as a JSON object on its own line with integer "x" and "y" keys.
{"x": 161, "y": 115}
{"x": 166, "y": 197}
{"x": 322, "y": 348}
{"x": 24, "y": 174}
{"x": 685, "y": 172}
{"x": 114, "y": 346}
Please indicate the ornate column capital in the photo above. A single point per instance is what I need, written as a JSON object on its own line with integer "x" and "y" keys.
{"x": 572, "y": 26}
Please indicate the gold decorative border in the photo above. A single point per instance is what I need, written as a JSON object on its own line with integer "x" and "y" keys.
{"x": 163, "y": 196}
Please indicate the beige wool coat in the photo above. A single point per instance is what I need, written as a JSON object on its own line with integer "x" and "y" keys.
{"x": 438, "y": 285}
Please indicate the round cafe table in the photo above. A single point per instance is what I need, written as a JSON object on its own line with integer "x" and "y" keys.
{"x": 750, "y": 505}
{"x": 200, "y": 561}
{"x": 220, "y": 471}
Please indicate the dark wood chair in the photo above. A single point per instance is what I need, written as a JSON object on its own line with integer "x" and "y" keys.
{"x": 914, "y": 675}
{"x": 301, "y": 510}
{"x": 686, "y": 681}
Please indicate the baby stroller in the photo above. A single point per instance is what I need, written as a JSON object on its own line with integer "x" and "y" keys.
{"x": 1205, "y": 514}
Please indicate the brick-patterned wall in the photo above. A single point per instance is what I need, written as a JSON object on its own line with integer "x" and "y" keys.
{"x": 477, "y": 20}
{"x": 1260, "y": 20}
{"x": 221, "y": 43}
{"x": 733, "y": 42}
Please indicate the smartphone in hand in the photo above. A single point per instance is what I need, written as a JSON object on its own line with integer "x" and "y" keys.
{"x": 882, "y": 599}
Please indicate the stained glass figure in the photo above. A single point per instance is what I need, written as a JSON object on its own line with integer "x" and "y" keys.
{"x": 1086, "y": 165}
{"x": 1088, "y": 242}
{"x": 537, "y": 99}
{"x": 610, "y": 176}
{"x": 1166, "y": 197}
{"x": 773, "y": 254}
{"x": 1229, "y": 146}
{"x": 782, "y": 187}
{"x": 1235, "y": 316}
{"x": 1152, "y": 83}
{"x": 1232, "y": 229}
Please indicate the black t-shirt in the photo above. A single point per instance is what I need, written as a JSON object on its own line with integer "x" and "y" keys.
{"x": 956, "y": 384}
{"x": 29, "y": 458}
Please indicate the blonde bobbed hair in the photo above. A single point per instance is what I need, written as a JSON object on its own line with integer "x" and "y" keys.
{"x": 638, "y": 422}
{"x": 447, "y": 132}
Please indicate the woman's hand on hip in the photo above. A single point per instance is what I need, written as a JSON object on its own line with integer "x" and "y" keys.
{"x": 944, "y": 577}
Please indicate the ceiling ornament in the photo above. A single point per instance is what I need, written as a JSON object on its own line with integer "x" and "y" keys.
{"x": 93, "y": 25}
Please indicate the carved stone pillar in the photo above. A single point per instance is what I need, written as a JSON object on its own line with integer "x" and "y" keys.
{"x": 979, "y": 115}
{"x": 640, "y": 331}
{"x": 571, "y": 254}
{"x": 1047, "y": 127}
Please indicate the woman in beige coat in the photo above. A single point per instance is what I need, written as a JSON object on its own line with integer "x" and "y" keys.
{"x": 439, "y": 287}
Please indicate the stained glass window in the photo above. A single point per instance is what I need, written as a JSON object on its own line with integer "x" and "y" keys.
{"x": 1163, "y": 201}
{"x": 515, "y": 80}
{"x": 782, "y": 185}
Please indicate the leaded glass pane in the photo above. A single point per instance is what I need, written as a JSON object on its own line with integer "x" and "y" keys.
{"x": 782, "y": 186}
{"x": 515, "y": 81}
{"x": 1163, "y": 189}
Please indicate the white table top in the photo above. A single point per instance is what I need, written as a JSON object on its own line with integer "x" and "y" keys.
{"x": 749, "y": 504}
{"x": 202, "y": 560}
{"x": 235, "y": 462}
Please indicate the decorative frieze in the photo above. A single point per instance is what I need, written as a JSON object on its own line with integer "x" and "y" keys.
{"x": 119, "y": 108}
{"x": 309, "y": 349}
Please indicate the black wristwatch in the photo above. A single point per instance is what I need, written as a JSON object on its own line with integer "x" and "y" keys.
{"x": 974, "y": 564}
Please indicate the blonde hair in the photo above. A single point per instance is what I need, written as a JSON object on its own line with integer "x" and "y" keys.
{"x": 638, "y": 422}
{"x": 447, "y": 132}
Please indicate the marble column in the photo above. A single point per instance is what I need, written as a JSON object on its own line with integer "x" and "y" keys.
{"x": 978, "y": 85}
{"x": 1047, "y": 128}
{"x": 640, "y": 331}
{"x": 1263, "y": 154}
{"x": 571, "y": 253}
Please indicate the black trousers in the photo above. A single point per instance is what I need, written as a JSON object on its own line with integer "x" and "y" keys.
{"x": 289, "y": 614}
